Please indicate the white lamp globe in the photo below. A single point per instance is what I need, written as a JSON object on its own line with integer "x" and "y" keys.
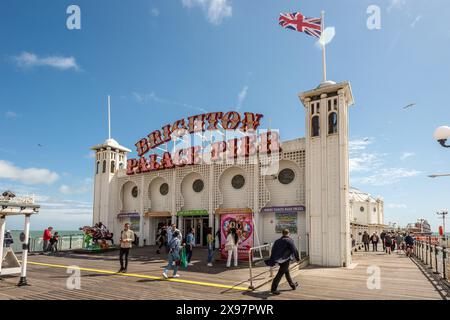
{"x": 442, "y": 133}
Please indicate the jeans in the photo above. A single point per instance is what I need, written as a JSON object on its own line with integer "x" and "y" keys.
{"x": 45, "y": 245}
{"x": 124, "y": 253}
{"x": 366, "y": 246}
{"x": 283, "y": 271}
{"x": 375, "y": 246}
{"x": 231, "y": 252}
{"x": 172, "y": 264}
{"x": 188, "y": 253}
{"x": 210, "y": 252}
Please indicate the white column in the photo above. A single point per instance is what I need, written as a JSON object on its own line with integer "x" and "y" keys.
{"x": 2, "y": 239}
{"x": 23, "y": 272}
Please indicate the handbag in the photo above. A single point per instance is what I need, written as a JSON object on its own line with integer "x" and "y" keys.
{"x": 183, "y": 260}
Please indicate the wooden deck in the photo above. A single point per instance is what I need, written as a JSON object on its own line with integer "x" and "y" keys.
{"x": 400, "y": 278}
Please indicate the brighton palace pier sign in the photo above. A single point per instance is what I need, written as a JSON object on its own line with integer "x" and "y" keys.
{"x": 249, "y": 144}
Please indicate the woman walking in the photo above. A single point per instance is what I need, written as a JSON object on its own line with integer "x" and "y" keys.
{"x": 210, "y": 243}
{"x": 232, "y": 246}
{"x": 173, "y": 256}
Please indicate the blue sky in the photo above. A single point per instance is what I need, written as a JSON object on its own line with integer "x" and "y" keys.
{"x": 165, "y": 60}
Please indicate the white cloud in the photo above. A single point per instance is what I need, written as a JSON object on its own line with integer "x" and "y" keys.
{"x": 154, "y": 12}
{"x": 85, "y": 187}
{"x": 90, "y": 155}
{"x": 215, "y": 10}
{"x": 397, "y": 206}
{"x": 11, "y": 114}
{"x": 241, "y": 97}
{"x": 361, "y": 160}
{"x": 407, "y": 155}
{"x": 396, "y": 4}
{"x": 416, "y": 20}
{"x": 386, "y": 176}
{"x": 152, "y": 97}
{"x": 27, "y": 176}
{"x": 29, "y": 60}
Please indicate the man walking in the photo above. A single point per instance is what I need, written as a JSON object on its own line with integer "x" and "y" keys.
{"x": 283, "y": 251}
{"x": 190, "y": 243}
{"x": 366, "y": 240}
{"x": 46, "y": 239}
{"x": 126, "y": 242}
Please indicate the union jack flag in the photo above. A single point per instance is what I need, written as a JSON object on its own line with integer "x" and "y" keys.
{"x": 296, "y": 21}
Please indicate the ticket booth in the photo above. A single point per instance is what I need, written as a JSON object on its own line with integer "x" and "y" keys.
{"x": 12, "y": 206}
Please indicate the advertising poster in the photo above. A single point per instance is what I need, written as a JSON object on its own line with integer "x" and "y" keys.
{"x": 135, "y": 224}
{"x": 243, "y": 223}
{"x": 286, "y": 220}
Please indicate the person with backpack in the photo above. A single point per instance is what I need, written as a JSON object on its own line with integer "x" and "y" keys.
{"x": 388, "y": 243}
{"x": 127, "y": 238}
{"x": 54, "y": 242}
{"x": 374, "y": 239}
{"x": 161, "y": 237}
{"x": 231, "y": 247}
{"x": 174, "y": 258}
{"x": 190, "y": 243}
{"x": 283, "y": 251}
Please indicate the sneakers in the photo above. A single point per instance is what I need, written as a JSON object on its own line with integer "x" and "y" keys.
{"x": 176, "y": 275}
{"x": 120, "y": 270}
{"x": 165, "y": 275}
{"x": 124, "y": 270}
{"x": 190, "y": 264}
{"x": 209, "y": 264}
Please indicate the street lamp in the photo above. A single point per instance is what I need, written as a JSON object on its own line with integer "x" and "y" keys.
{"x": 441, "y": 134}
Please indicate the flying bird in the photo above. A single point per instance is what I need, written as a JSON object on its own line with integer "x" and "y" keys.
{"x": 40, "y": 145}
{"x": 409, "y": 105}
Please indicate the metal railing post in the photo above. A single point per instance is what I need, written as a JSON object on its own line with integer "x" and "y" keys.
{"x": 431, "y": 254}
{"x": 250, "y": 268}
{"x": 444, "y": 256}
{"x": 426, "y": 253}
{"x": 436, "y": 252}
{"x": 70, "y": 242}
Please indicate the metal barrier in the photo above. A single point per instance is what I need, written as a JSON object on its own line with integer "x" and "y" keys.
{"x": 65, "y": 243}
{"x": 252, "y": 259}
{"x": 435, "y": 256}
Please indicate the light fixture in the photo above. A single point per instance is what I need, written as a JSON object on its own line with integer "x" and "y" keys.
{"x": 442, "y": 134}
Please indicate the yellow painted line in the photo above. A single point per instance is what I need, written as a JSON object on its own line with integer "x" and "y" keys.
{"x": 143, "y": 276}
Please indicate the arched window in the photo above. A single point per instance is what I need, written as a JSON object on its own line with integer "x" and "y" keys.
{"x": 315, "y": 126}
{"x": 97, "y": 167}
{"x": 332, "y": 123}
{"x": 113, "y": 166}
{"x": 104, "y": 166}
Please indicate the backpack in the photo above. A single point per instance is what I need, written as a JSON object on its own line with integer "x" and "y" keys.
{"x": 136, "y": 240}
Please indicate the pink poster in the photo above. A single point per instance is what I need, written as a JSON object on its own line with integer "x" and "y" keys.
{"x": 244, "y": 226}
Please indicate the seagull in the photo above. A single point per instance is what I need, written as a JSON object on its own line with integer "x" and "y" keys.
{"x": 409, "y": 105}
{"x": 40, "y": 145}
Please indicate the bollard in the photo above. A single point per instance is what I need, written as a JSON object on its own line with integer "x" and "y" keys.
{"x": 426, "y": 253}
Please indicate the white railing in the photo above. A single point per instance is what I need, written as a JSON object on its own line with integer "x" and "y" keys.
{"x": 251, "y": 259}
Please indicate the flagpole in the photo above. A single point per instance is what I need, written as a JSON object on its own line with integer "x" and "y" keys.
{"x": 324, "y": 60}
{"x": 109, "y": 117}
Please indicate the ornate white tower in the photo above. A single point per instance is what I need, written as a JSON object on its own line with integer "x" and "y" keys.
{"x": 327, "y": 173}
{"x": 110, "y": 156}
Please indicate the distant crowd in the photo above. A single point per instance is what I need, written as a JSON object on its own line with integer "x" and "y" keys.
{"x": 390, "y": 242}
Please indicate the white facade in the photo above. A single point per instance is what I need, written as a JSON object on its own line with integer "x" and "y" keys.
{"x": 315, "y": 181}
{"x": 366, "y": 213}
